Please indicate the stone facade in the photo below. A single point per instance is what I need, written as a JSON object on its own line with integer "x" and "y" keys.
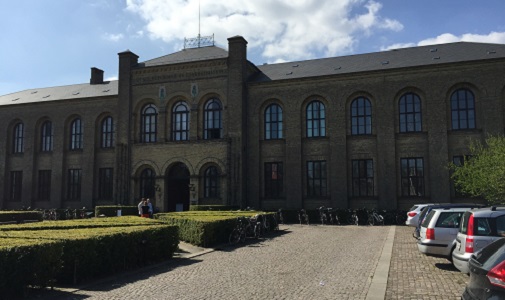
{"x": 179, "y": 158}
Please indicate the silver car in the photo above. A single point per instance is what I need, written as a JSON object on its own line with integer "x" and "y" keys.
{"x": 439, "y": 230}
{"x": 479, "y": 227}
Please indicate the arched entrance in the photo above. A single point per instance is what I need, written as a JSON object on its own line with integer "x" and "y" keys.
{"x": 177, "y": 191}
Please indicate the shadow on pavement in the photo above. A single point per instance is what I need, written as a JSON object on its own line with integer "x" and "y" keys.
{"x": 446, "y": 267}
{"x": 252, "y": 242}
{"x": 109, "y": 283}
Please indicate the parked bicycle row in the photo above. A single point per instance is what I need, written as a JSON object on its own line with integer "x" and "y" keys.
{"x": 64, "y": 214}
{"x": 363, "y": 216}
{"x": 254, "y": 227}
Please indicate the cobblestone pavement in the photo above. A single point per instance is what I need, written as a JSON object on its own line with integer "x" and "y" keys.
{"x": 299, "y": 262}
{"x": 413, "y": 275}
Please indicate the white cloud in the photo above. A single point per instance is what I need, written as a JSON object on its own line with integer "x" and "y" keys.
{"x": 282, "y": 30}
{"x": 113, "y": 37}
{"x": 493, "y": 38}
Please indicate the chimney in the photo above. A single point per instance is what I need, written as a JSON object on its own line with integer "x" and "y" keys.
{"x": 96, "y": 76}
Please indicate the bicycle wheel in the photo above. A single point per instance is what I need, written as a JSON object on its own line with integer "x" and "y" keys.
{"x": 356, "y": 220}
{"x": 257, "y": 230}
{"x": 234, "y": 236}
{"x": 370, "y": 220}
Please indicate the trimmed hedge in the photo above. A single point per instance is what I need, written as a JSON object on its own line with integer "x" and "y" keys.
{"x": 205, "y": 228}
{"x": 40, "y": 256}
{"x": 111, "y": 210}
{"x": 20, "y": 216}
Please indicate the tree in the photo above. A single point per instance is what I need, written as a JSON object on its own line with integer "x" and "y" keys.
{"x": 483, "y": 173}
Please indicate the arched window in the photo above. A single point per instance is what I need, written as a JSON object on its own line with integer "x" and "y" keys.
{"x": 361, "y": 116}
{"x": 148, "y": 126}
{"x": 180, "y": 122}
{"x": 463, "y": 109}
{"x": 147, "y": 181}
{"x": 409, "y": 108}
{"x": 213, "y": 123}
{"x": 18, "y": 138}
{"x": 107, "y": 133}
{"x": 273, "y": 122}
{"x": 211, "y": 182}
{"x": 316, "y": 119}
{"x": 76, "y": 134}
{"x": 46, "y": 136}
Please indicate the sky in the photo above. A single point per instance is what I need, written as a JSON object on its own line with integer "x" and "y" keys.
{"x": 46, "y": 43}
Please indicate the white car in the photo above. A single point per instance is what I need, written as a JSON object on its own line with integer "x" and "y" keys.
{"x": 413, "y": 214}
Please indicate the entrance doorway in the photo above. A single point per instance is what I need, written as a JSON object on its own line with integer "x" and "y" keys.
{"x": 177, "y": 191}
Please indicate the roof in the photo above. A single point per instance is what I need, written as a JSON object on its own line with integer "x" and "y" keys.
{"x": 386, "y": 60}
{"x": 188, "y": 55}
{"x": 76, "y": 91}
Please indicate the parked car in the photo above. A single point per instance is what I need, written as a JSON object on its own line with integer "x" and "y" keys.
{"x": 479, "y": 227}
{"x": 413, "y": 214}
{"x": 426, "y": 210}
{"x": 439, "y": 230}
{"x": 487, "y": 273}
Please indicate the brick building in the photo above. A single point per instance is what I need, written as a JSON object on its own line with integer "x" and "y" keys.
{"x": 205, "y": 125}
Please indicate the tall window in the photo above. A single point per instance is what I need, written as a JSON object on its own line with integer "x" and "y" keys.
{"x": 44, "y": 187}
{"x": 362, "y": 177}
{"x": 361, "y": 116}
{"x": 46, "y": 137}
{"x": 147, "y": 181}
{"x": 213, "y": 124}
{"x": 463, "y": 109}
{"x": 16, "y": 185}
{"x": 211, "y": 182}
{"x": 316, "y": 178}
{"x": 105, "y": 183}
{"x": 107, "y": 133}
{"x": 412, "y": 172}
{"x": 74, "y": 185}
{"x": 18, "y": 138}
{"x": 148, "y": 126}
{"x": 316, "y": 119}
{"x": 273, "y": 122}
{"x": 180, "y": 122}
{"x": 274, "y": 177}
{"x": 410, "y": 113}
{"x": 76, "y": 134}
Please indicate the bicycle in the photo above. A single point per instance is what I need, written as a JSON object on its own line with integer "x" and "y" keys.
{"x": 50, "y": 214}
{"x": 238, "y": 233}
{"x": 280, "y": 216}
{"x": 352, "y": 218}
{"x": 303, "y": 216}
{"x": 374, "y": 218}
{"x": 322, "y": 215}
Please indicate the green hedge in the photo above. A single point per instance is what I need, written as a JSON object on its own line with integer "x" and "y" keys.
{"x": 40, "y": 256}
{"x": 205, "y": 228}
{"x": 20, "y": 216}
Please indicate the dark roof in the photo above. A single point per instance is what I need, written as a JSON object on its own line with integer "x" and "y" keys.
{"x": 386, "y": 60}
{"x": 75, "y": 91}
{"x": 188, "y": 55}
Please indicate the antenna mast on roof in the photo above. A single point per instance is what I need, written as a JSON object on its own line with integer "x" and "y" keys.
{"x": 199, "y": 41}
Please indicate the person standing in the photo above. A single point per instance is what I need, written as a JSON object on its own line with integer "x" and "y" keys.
{"x": 144, "y": 210}
{"x": 140, "y": 206}
{"x": 150, "y": 208}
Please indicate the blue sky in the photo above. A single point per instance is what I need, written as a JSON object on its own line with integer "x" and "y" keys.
{"x": 48, "y": 43}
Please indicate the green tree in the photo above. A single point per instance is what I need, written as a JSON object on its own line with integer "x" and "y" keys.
{"x": 483, "y": 173}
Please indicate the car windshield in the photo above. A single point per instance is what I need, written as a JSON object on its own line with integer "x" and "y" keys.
{"x": 413, "y": 208}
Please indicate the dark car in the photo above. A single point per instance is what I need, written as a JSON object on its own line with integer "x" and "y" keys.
{"x": 426, "y": 210}
{"x": 487, "y": 273}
